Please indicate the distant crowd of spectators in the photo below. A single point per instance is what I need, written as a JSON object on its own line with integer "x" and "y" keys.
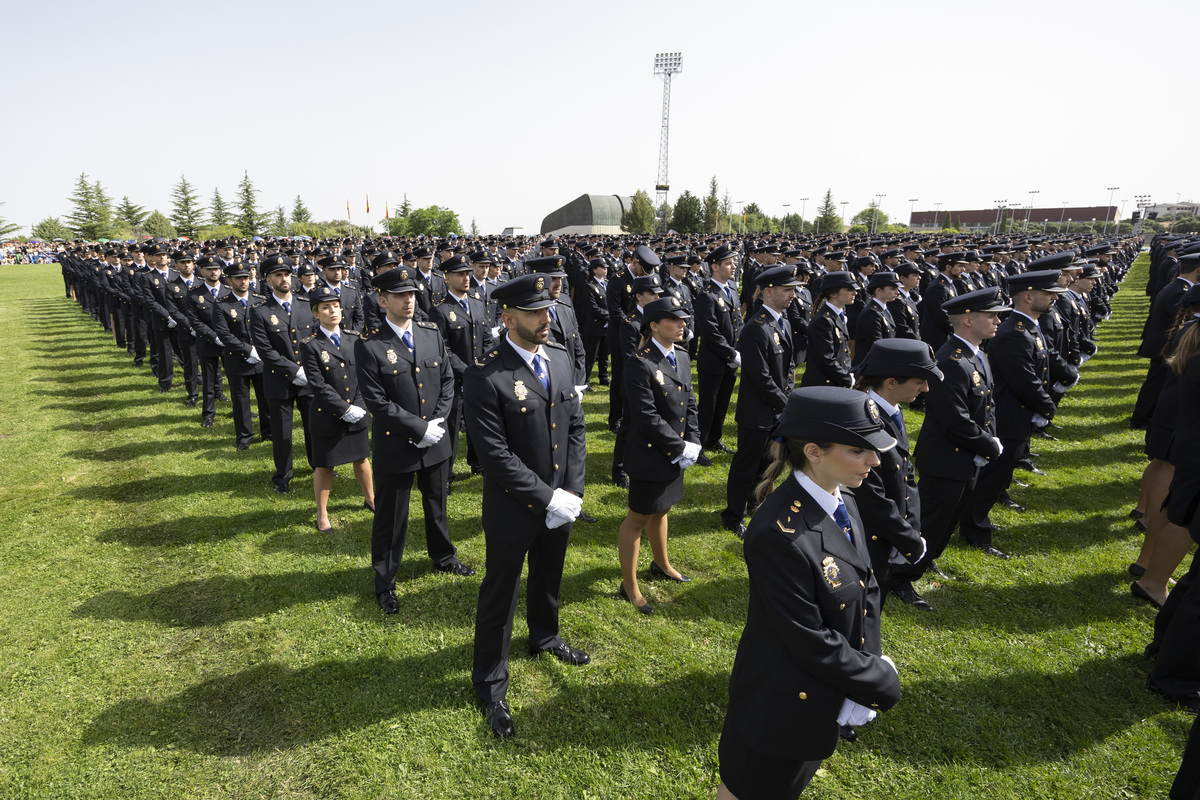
{"x": 31, "y": 253}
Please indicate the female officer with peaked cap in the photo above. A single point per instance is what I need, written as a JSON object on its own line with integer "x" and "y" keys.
{"x": 809, "y": 657}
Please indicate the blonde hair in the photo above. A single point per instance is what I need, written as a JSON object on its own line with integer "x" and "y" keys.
{"x": 786, "y": 456}
{"x": 1189, "y": 346}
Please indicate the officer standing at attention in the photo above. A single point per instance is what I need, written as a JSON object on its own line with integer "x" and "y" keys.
{"x": 828, "y": 337}
{"x": 201, "y": 311}
{"x": 875, "y": 320}
{"x": 768, "y": 375}
{"x": 935, "y": 325}
{"x": 718, "y": 324}
{"x": 524, "y": 414}
{"x": 1020, "y": 358}
{"x": 408, "y": 386}
{"x": 277, "y": 325}
{"x": 809, "y": 658}
{"x": 243, "y": 366}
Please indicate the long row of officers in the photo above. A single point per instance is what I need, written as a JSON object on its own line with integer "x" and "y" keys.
{"x": 423, "y": 343}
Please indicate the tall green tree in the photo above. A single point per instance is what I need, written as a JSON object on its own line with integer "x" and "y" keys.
{"x": 248, "y": 219}
{"x": 640, "y": 216}
{"x": 871, "y": 216}
{"x": 131, "y": 216}
{"x": 91, "y": 218}
{"x": 688, "y": 214}
{"x": 828, "y": 220}
{"x": 158, "y": 225}
{"x": 300, "y": 212}
{"x": 278, "y": 225}
{"x": 663, "y": 213}
{"x": 187, "y": 215}
{"x": 8, "y": 229}
{"x": 474, "y": 227}
{"x": 433, "y": 221}
{"x": 49, "y": 229}
{"x": 218, "y": 210}
{"x": 712, "y": 206}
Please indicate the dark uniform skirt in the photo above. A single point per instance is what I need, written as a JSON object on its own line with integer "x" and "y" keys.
{"x": 333, "y": 451}
{"x": 649, "y": 497}
{"x": 750, "y": 774}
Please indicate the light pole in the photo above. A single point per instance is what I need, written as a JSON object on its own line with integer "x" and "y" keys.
{"x": 843, "y": 204}
{"x": 1062, "y": 215}
{"x": 936, "y": 208}
{"x": 803, "y": 200}
{"x": 1029, "y": 210}
{"x": 1000, "y": 204}
{"x": 1068, "y": 230}
{"x": 742, "y": 217}
{"x": 1107, "y": 211}
{"x": 875, "y": 216}
{"x": 786, "y": 206}
{"x": 1143, "y": 202}
{"x": 912, "y": 208}
{"x": 1121, "y": 216}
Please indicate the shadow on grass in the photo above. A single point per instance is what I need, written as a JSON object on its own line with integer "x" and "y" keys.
{"x": 160, "y": 487}
{"x": 222, "y": 599}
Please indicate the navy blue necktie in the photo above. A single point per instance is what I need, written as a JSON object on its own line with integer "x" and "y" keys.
{"x": 671, "y": 358}
{"x": 337, "y": 340}
{"x": 287, "y": 307}
{"x": 539, "y": 369}
{"x": 553, "y": 314}
{"x": 898, "y": 418}
{"x": 243, "y": 302}
{"x": 408, "y": 342}
{"x": 466, "y": 307}
{"x": 843, "y": 520}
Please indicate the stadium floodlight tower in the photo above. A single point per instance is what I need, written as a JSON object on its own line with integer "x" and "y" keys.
{"x": 666, "y": 65}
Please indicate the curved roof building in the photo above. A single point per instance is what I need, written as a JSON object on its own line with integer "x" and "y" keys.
{"x": 588, "y": 213}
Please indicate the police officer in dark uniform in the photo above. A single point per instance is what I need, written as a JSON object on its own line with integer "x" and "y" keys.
{"x": 333, "y": 268}
{"x": 935, "y": 325}
{"x": 185, "y": 335}
{"x": 201, "y": 311}
{"x": 277, "y": 325}
{"x": 620, "y": 303}
{"x": 524, "y": 413}
{"x": 875, "y": 320}
{"x": 408, "y": 385}
{"x": 243, "y": 365}
{"x": 905, "y": 311}
{"x": 828, "y": 362}
{"x": 768, "y": 376}
{"x": 592, "y": 306}
{"x": 646, "y": 289}
{"x": 718, "y": 324}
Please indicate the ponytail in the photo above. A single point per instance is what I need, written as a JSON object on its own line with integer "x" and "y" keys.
{"x": 786, "y": 456}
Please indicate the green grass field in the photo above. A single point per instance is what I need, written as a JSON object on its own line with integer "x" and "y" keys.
{"x": 173, "y": 628}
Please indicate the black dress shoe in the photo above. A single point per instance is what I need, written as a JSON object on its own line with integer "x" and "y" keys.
{"x": 992, "y": 551}
{"x": 455, "y": 567}
{"x": 206, "y": 423}
{"x": 368, "y": 506}
{"x": 1140, "y": 525}
{"x": 736, "y": 525}
{"x": 703, "y": 460}
{"x": 1020, "y": 484}
{"x": 282, "y": 488}
{"x": 1137, "y": 591}
{"x": 645, "y": 608}
{"x": 1008, "y": 502}
{"x": 191, "y": 403}
{"x": 719, "y": 445}
{"x": 243, "y": 446}
{"x": 658, "y": 572}
{"x": 476, "y": 470}
{"x": 317, "y": 525}
{"x": 847, "y": 733}
{"x": 1136, "y": 570}
{"x": 1029, "y": 466}
{"x": 499, "y": 719}
{"x": 1135, "y": 514}
{"x": 604, "y": 381}
{"x": 586, "y": 517}
{"x": 564, "y": 653}
{"x": 223, "y": 396}
{"x": 164, "y": 389}
{"x": 621, "y": 480}
{"x": 1042, "y": 434}
{"x": 933, "y": 565}
{"x": 908, "y": 595}
{"x": 388, "y": 602}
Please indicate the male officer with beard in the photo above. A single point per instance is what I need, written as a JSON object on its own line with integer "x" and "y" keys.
{"x": 523, "y": 412}
{"x": 243, "y": 365}
{"x": 201, "y": 311}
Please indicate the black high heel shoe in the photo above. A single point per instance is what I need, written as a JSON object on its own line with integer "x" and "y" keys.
{"x": 658, "y": 572}
{"x": 1136, "y": 590}
{"x": 644, "y": 609}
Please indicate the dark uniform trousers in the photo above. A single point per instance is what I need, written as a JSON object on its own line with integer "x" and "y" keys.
{"x": 233, "y": 329}
{"x": 277, "y": 335}
{"x": 768, "y": 375}
{"x": 404, "y": 390}
{"x": 959, "y": 425}
{"x": 718, "y": 324}
{"x": 531, "y": 442}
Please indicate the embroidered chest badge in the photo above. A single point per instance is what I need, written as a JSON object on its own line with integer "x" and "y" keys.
{"x": 274, "y": 320}
{"x": 325, "y": 356}
{"x": 975, "y": 378}
{"x": 831, "y": 572}
{"x": 520, "y": 391}
{"x": 658, "y": 376}
{"x": 391, "y": 356}
{"x": 452, "y": 317}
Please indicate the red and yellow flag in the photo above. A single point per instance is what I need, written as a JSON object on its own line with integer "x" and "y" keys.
{"x": 386, "y": 214}
{"x": 368, "y": 204}
{"x": 347, "y": 209}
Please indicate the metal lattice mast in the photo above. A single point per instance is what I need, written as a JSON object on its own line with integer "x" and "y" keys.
{"x": 666, "y": 65}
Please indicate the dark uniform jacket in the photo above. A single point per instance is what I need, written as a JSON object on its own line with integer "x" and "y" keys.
{"x": 768, "y": 372}
{"x": 935, "y": 322}
{"x": 812, "y": 629}
{"x": 889, "y": 502}
{"x": 201, "y": 310}
{"x": 960, "y": 415}
{"x": 564, "y": 329}
{"x": 1020, "y": 359}
{"x": 828, "y": 362}
{"x": 155, "y": 297}
{"x": 467, "y": 339}
{"x": 529, "y": 442}
{"x": 591, "y": 301}
{"x": 404, "y": 393}
{"x": 906, "y": 316}
{"x": 662, "y": 413}
{"x": 277, "y": 336}
{"x": 874, "y": 323}
{"x": 430, "y": 292}
{"x": 352, "y": 309}
{"x": 718, "y": 323}
{"x": 334, "y": 381}
{"x": 231, "y": 322}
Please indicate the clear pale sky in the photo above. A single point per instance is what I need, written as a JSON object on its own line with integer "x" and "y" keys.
{"x": 505, "y": 111}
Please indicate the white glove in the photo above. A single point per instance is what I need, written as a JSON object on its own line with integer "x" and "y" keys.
{"x": 171, "y": 323}
{"x": 218, "y": 343}
{"x": 192, "y": 333}
{"x": 737, "y": 359}
{"x": 564, "y": 504}
{"x": 1058, "y": 387}
{"x": 980, "y": 461}
{"x": 354, "y": 414}
{"x": 854, "y": 714}
{"x": 496, "y": 331}
{"x": 301, "y": 379}
{"x": 581, "y": 389}
{"x": 433, "y": 434}
{"x": 253, "y": 357}
{"x": 896, "y": 557}
{"x": 891, "y": 663}
{"x": 1083, "y": 359}
{"x": 555, "y": 520}
{"x": 691, "y": 451}
{"x": 999, "y": 444}
{"x": 1040, "y": 421}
